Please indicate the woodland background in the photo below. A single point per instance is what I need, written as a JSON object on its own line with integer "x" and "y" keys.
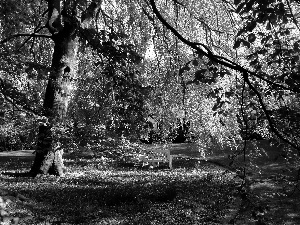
{"x": 102, "y": 78}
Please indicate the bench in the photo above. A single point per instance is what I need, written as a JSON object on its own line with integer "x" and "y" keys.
{"x": 166, "y": 152}
{"x": 156, "y": 154}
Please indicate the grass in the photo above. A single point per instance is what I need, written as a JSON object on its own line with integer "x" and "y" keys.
{"x": 97, "y": 191}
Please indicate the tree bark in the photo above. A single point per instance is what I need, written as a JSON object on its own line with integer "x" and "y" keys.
{"x": 48, "y": 159}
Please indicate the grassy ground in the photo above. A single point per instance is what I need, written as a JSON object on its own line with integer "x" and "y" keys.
{"x": 97, "y": 191}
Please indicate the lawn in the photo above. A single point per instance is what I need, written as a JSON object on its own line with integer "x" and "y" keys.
{"x": 102, "y": 191}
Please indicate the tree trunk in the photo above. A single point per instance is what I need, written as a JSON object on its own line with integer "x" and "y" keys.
{"x": 48, "y": 159}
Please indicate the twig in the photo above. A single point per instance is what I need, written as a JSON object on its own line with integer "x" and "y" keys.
{"x": 11, "y": 100}
{"x": 25, "y": 35}
{"x": 294, "y": 19}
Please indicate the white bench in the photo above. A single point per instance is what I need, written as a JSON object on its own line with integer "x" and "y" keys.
{"x": 162, "y": 150}
{"x": 177, "y": 150}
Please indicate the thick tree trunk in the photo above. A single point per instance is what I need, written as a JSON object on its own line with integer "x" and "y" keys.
{"x": 48, "y": 159}
{"x": 63, "y": 25}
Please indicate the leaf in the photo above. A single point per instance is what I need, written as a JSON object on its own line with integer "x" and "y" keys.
{"x": 22, "y": 197}
{"x": 262, "y": 17}
{"x": 276, "y": 43}
{"x": 268, "y": 27}
{"x": 220, "y": 74}
{"x": 250, "y": 27}
{"x": 236, "y": 2}
{"x": 246, "y": 43}
{"x": 240, "y": 7}
{"x": 248, "y": 6}
{"x": 240, "y": 32}
{"x": 200, "y": 55}
{"x": 287, "y": 32}
{"x": 261, "y": 33}
{"x": 262, "y": 51}
{"x": 252, "y": 56}
{"x": 186, "y": 68}
{"x": 216, "y": 106}
{"x": 228, "y": 94}
{"x": 273, "y": 18}
{"x": 181, "y": 70}
{"x": 251, "y": 37}
{"x": 296, "y": 58}
{"x": 209, "y": 80}
{"x": 212, "y": 94}
{"x": 281, "y": 10}
{"x": 199, "y": 74}
{"x": 195, "y": 62}
{"x": 237, "y": 43}
{"x": 296, "y": 46}
{"x": 254, "y": 62}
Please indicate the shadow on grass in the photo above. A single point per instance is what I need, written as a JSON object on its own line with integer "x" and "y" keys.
{"x": 119, "y": 195}
{"x": 166, "y": 200}
{"x": 133, "y": 196}
{"x": 17, "y": 174}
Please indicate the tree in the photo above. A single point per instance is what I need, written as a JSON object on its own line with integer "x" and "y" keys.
{"x": 184, "y": 59}
{"x": 66, "y": 31}
{"x": 63, "y": 27}
{"x": 170, "y": 65}
{"x": 249, "y": 76}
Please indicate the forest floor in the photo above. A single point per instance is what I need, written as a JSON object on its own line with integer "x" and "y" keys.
{"x": 196, "y": 191}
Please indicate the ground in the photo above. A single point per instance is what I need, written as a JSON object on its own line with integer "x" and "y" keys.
{"x": 97, "y": 190}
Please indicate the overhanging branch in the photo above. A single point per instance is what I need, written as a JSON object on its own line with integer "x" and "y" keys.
{"x": 272, "y": 126}
{"x": 208, "y": 53}
{"x": 25, "y": 35}
{"x": 232, "y": 65}
{"x": 12, "y": 101}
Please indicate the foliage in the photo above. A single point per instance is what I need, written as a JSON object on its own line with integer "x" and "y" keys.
{"x": 235, "y": 76}
{"x": 216, "y": 71}
{"x": 111, "y": 99}
{"x": 270, "y": 32}
{"x": 18, "y": 133}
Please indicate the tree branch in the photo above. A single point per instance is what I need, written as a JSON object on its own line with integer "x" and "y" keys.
{"x": 294, "y": 19}
{"x": 11, "y": 100}
{"x": 208, "y": 53}
{"x": 25, "y": 35}
{"x": 228, "y": 63}
{"x": 272, "y": 126}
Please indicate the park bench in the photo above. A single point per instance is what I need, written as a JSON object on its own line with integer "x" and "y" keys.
{"x": 154, "y": 154}
{"x": 166, "y": 152}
